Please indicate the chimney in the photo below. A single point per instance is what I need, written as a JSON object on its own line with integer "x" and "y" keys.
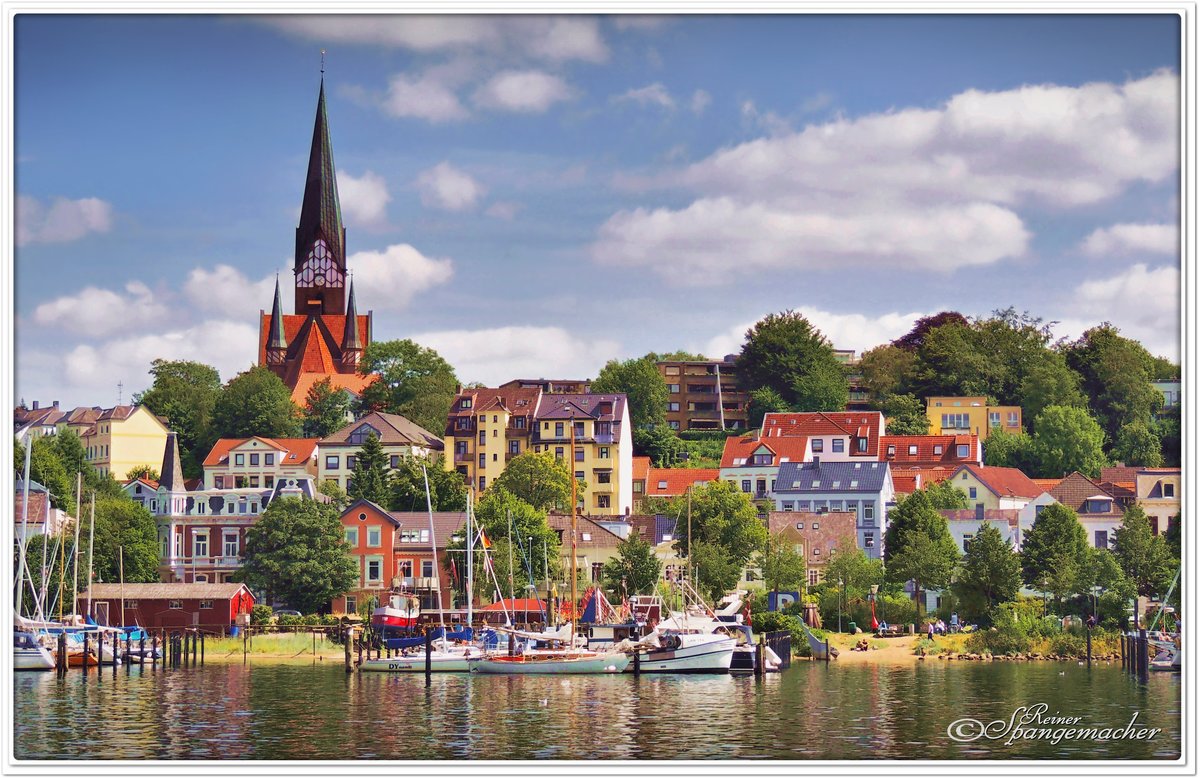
{"x": 35, "y": 405}
{"x": 817, "y": 460}
{"x": 56, "y": 404}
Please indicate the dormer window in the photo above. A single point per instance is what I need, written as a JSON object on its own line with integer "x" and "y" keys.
{"x": 465, "y": 403}
{"x": 762, "y": 459}
{"x": 360, "y": 435}
{"x": 891, "y": 450}
{"x": 662, "y": 485}
{"x": 938, "y": 448}
{"x": 862, "y": 444}
{"x": 912, "y": 449}
{"x": 964, "y": 451}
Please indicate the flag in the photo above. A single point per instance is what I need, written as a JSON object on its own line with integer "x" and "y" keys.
{"x": 453, "y": 570}
{"x": 487, "y": 562}
{"x": 483, "y": 539}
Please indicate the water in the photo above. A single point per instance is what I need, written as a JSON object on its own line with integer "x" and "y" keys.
{"x": 286, "y": 711}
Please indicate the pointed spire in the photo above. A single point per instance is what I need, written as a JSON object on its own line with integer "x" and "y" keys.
{"x": 321, "y": 211}
{"x": 171, "y": 475}
{"x": 275, "y": 339}
{"x": 350, "y": 337}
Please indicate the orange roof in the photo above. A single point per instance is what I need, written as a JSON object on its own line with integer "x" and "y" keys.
{"x": 738, "y": 450}
{"x": 335, "y": 324}
{"x": 641, "y": 467}
{"x": 1005, "y": 482}
{"x": 931, "y": 450}
{"x": 347, "y": 381}
{"x": 1046, "y": 484}
{"x": 906, "y": 483}
{"x": 297, "y": 450}
{"x": 855, "y": 424}
{"x": 669, "y": 482}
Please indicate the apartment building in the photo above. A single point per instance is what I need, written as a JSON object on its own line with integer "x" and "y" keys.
{"x": 398, "y": 437}
{"x": 259, "y": 462}
{"x": 970, "y": 415}
{"x": 123, "y": 438}
{"x": 704, "y": 394}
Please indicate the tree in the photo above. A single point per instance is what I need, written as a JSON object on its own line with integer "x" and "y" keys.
{"x": 538, "y": 478}
{"x": 326, "y": 409}
{"x": 186, "y": 394}
{"x": 1010, "y": 450}
{"x": 914, "y": 339}
{"x": 763, "y": 401}
{"x": 123, "y": 524}
{"x": 1138, "y": 444}
{"x": 332, "y": 490}
{"x": 1116, "y": 374}
{"x": 634, "y": 571}
{"x": 370, "y": 480}
{"x": 256, "y": 403}
{"x": 905, "y": 415}
{"x": 679, "y": 355}
{"x": 297, "y": 553}
{"x": 534, "y": 541}
{"x": 944, "y": 495}
{"x": 1167, "y": 428}
{"x": 1049, "y": 382}
{"x": 723, "y": 517}
{"x": 1172, "y": 538}
{"x": 643, "y": 385}
{"x": 783, "y": 568}
{"x": 887, "y": 370}
{"x": 660, "y": 444}
{"x": 47, "y": 469}
{"x": 147, "y": 472}
{"x": 447, "y": 490}
{"x": 1143, "y": 556}
{"x": 414, "y": 382}
{"x": 990, "y": 574}
{"x": 716, "y": 572}
{"x": 787, "y": 354}
{"x": 918, "y": 546}
{"x": 1054, "y": 554}
{"x": 856, "y": 571}
{"x": 1068, "y": 439}
{"x": 910, "y": 514}
{"x": 949, "y": 362}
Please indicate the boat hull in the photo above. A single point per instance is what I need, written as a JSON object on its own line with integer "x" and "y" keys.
{"x": 439, "y": 662}
{"x": 697, "y": 656}
{"x": 612, "y": 663}
{"x": 32, "y": 659}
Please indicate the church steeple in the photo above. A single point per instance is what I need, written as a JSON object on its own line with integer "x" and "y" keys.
{"x": 320, "y": 260}
{"x": 276, "y": 342}
{"x": 352, "y": 345}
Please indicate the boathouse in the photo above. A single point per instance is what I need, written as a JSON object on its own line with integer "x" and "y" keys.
{"x": 209, "y": 607}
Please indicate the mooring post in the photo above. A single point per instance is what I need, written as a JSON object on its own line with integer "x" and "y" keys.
{"x": 195, "y": 640}
{"x": 827, "y": 658}
{"x": 86, "y": 649}
{"x": 60, "y": 655}
{"x": 201, "y": 649}
{"x": 154, "y": 653}
{"x": 360, "y": 648}
{"x": 759, "y": 658}
{"x": 512, "y": 644}
{"x": 1143, "y": 655}
{"x": 428, "y": 657}
{"x": 99, "y": 653}
{"x": 637, "y": 662}
{"x": 347, "y": 637}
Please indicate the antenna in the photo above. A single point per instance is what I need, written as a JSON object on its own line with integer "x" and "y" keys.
{"x": 322, "y": 62}
{"x": 120, "y": 387}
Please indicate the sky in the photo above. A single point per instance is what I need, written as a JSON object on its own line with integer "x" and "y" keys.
{"x": 534, "y": 196}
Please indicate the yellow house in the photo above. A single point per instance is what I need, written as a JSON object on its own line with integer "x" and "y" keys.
{"x": 960, "y": 416}
{"x": 1159, "y": 495}
{"x": 123, "y": 438}
{"x": 487, "y": 427}
{"x": 992, "y": 487}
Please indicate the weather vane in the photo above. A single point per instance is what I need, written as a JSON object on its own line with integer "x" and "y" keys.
{"x": 322, "y": 60}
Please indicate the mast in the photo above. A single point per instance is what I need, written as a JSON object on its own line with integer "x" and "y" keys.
{"x": 121, "y": 564}
{"x": 470, "y": 562}
{"x": 91, "y": 558}
{"x": 75, "y": 571}
{"x": 511, "y": 594}
{"x": 574, "y": 563}
{"x": 437, "y": 578}
{"x": 689, "y": 532}
{"x": 42, "y": 603}
{"x": 23, "y": 569}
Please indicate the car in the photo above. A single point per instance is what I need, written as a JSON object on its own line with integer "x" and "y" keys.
{"x": 286, "y": 613}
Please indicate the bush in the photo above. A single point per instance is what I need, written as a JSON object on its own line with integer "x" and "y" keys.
{"x": 1000, "y": 640}
{"x": 289, "y": 620}
{"x": 260, "y": 615}
{"x": 767, "y": 621}
{"x": 1069, "y": 644}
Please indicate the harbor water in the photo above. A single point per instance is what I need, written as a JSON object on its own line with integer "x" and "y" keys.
{"x": 302, "y": 711}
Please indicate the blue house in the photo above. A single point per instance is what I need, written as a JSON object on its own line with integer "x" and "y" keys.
{"x": 864, "y": 488}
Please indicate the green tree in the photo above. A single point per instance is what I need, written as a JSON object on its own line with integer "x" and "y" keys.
{"x": 763, "y": 401}
{"x": 914, "y": 339}
{"x": 643, "y": 386}
{"x": 121, "y": 524}
{"x": 949, "y": 362}
{"x": 332, "y": 490}
{"x": 1068, "y": 439}
{"x": 912, "y": 513}
{"x": 660, "y": 444}
{"x": 370, "y": 480}
{"x": 1172, "y": 537}
{"x": 722, "y": 516}
{"x": 918, "y": 546}
{"x": 634, "y": 571}
{"x": 944, "y": 495}
{"x": 856, "y": 571}
{"x": 783, "y": 568}
{"x": 1168, "y": 429}
{"x": 887, "y": 370}
{"x": 1054, "y": 555}
{"x": 786, "y": 353}
{"x": 1138, "y": 444}
{"x": 538, "y": 478}
{"x": 256, "y": 403}
{"x": 679, "y": 355}
{"x": 1143, "y": 556}
{"x": 47, "y": 469}
{"x": 414, "y": 382}
{"x": 297, "y": 553}
{"x": 1010, "y": 450}
{"x": 326, "y": 409}
{"x": 534, "y": 542}
{"x": 143, "y": 472}
{"x": 716, "y": 572}
{"x": 447, "y": 490}
{"x": 990, "y": 574}
{"x": 1116, "y": 373}
{"x": 1049, "y": 382}
{"x": 905, "y": 415}
{"x": 186, "y": 394}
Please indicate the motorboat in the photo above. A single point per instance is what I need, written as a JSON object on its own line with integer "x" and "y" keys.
{"x": 29, "y": 654}
{"x": 568, "y": 661}
{"x": 1168, "y": 653}
{"x": 443, "y": 657}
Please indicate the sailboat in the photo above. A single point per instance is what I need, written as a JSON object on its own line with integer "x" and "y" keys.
{"x": 569, "y": 659}
{"x": 1168, "y": 647}
{"x": 444, "y": 656}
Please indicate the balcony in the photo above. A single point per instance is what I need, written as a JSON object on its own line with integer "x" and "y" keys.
{"x": 603, "y": 438}
{"x": 229, "y": 562}
{"x": 463, "y": 457}
{"x": 607, "y": 487}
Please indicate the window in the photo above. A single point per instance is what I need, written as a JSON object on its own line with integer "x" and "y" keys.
{"x": 745, "y": 485}
{"x": 519, "y": 423}
{"x": 405, "y": 568}
{"x": 231, "y": 545}
{"x": 762, "y": 459}
{"x": 361, "y": 434}
{"x": 558, "y": 452}
{"x": 639, "y": 486}
{"x": 269, "y": 458}
{"x": 218, "y": 482}
{"x": 816, "y": 549}
{"x": 578, "y": 454}
{"x": 254, "y": 482}
{"x": 131, "y": 604}
{"x": 1168, "y": 490}
{"x": 972, "y": 492}
{"x": 331, "y": 462}
{"x": 956, "y": 421}
{"x": 427, "y": 569}
{"x": 868, "y": 540}
{"x": 868, "y": 510}
{"x": 254, "y": 458}
{"x": 967, "y": 541}
{"x": 514, "y": 447}
{"x": 604, "y": 477}
{"x": 789, "y": 505}
{"x": 351, "y": 604}
{"x": 559, "y": 429}
{"x": 803, "y": 505}
{"x": 816, "y": 526}
{"x": 799, "y": 525}
{"x": 912, "y": 449}
{"x": 862, "y": 444}
{"x": 579, "y": 430}
{"x": 964, "y": 450}
{"x": 464, "y": 403}
{"x": 662, "y": 485}
{"x": 672, "y": 406}
{"x": 993, "y": 419}
{"x": 603, "y": 454}
{"x": 673, "y": 389}
{"x": 818, "y": 444}
{"x": 482, "y": 437}
{"x": 200, "y": 545}
{"x": 482, "y": 460}
{"x": 839, "y": 445}
{"x": 938, "y": 448}
{"x": 482, "y": 483}
{"x": 1101, "y": 539}
{"x": 374, "y": 570}
{"x": 206, "y": 604}
{"x": 394, "y": 461}
{"x": 1012, "y": 419}
{"x": 174, "y": 604}
{"x": 351, "y": 462}
{"x": 375, "y": 536}
{"x": 239, "y": 459}
{"x": 673, "y": 424}
{"x": 579, "y": 475}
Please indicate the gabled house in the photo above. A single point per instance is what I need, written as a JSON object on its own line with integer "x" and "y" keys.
{"x": 832, "y": 436}
{"x": 674, "y": 482}
{"x": 595, "y": 545}
{"x": 816, "y": 537}
{"x": 924, "y": 452}
{"x": 862, "y": 488}
{"x": 603, "y": 455}
{"x": 994, "y": 487}
{"x": 123, "y": 438}
{"x": 751, "y": 462}
{"x": 1098, "y": 511}
{"x": 398, "y": 437}
{"x": 965, "y": 524}
{"x": 259, "y": 462}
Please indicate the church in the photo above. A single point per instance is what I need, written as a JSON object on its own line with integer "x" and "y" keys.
{"x": 325, "y": 335}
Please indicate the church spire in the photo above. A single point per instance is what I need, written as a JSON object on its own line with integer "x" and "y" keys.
{"x": 276, "y": 342}
{"x": 320, "y": 260}
{"x": 352, "y": 345}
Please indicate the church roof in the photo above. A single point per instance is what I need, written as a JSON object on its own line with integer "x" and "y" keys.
{"x": 351, "y": 382}
{"x": 320, "y": 211}
{"x": 312, "y": 348}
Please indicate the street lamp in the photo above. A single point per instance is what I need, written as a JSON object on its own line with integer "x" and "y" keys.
{"x": 1096, "y": 590}
{"x": 1045, "y": 597}
{"x": 841, "y": 595}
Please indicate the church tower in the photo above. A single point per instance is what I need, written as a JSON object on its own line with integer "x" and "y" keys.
{"x": 320, "y": 260}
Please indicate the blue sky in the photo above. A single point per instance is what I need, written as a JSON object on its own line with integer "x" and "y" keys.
{"x": 533, "y": 196}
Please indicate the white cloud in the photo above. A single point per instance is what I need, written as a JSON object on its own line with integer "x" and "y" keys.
{"x": 445, "y": 186}
{"x": 1143, "y": 302}
{"x": 1132, "y": 238}
{"x": 769, "y": 122}
{"x": 506, "y": 210}
{"x": 364, "y": 199}
{"x": 653, "y": 94}
{"x": 227, "y": 291}
{"x": 845, "y": 331}
{"x": 526, "y": 91}
{"x": 496, "y": 355}
{"x": 423, "y": 97}
{"x": 708, "y": 239}
{"x": 230, "y": 347}
{"x": 700, "y": 101}
{"x": 388, "y": 280}
{"x": 931, "y": 188}
{"x": 61, "y": 220}
{"x": 552, "y": 38}
{"x": 99, "y": 312}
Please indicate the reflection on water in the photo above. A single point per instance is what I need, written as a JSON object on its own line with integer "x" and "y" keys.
{"x": 285, "y": 711}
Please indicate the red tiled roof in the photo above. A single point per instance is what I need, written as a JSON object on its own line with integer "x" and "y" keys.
{"x": 335, "y": 324}
{"x": 855, "y": 424}
{"x": 641, "y": 467}
{"x": 927, "y": 453}
{"x": 906, "y": 483}
{"x": 785, "y": 448}
{"x": 1074, "y": 490}
{"x": 677, "y": 480}
{"x": 37, "y": 506}
{"x": 1005, "y": 482}
{"x": 298, "y": 450}
{"x": 117, "y": 412}
{"x": 353, "y": 382}
{"x": 1047, "y": 484}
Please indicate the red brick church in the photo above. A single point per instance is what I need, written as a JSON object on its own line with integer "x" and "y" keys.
{"x": 325, "y": 336}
